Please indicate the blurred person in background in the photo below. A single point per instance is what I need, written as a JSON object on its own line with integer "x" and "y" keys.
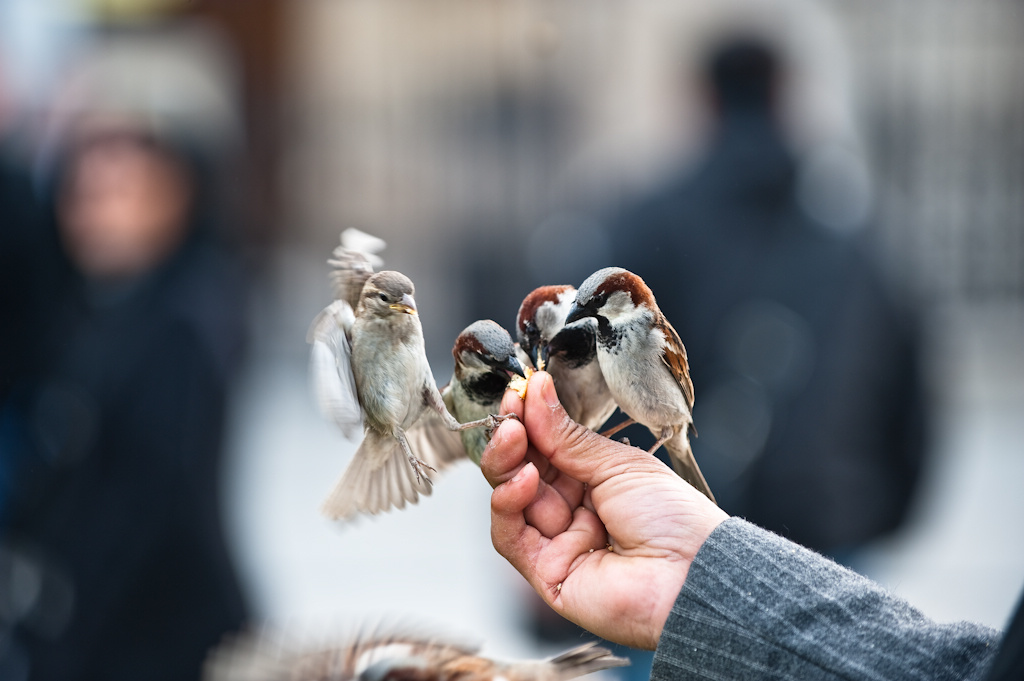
{"x": 21, "y": 236}
{"x": 26, "y": 280}
{"x": 113, "y": 561}
{"x": 809, "y": 406}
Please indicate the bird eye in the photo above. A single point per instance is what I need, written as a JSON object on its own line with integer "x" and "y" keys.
{"x": 384, "y": 297}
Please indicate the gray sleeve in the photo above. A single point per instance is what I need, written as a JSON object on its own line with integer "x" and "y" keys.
{"x": 756, "y": 606}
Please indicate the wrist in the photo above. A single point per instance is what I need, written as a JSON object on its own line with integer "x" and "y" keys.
{"x": 698, "y": 529}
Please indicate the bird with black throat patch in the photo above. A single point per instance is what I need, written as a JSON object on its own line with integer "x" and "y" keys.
{"x": 485, "y": 361}
{"x": 566, "y": 351}
{"x": 643, "y": 361}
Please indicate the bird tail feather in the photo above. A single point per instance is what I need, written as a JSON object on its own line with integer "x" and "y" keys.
{"x": 378, "y": 478}
{"x": 685, "y": 464}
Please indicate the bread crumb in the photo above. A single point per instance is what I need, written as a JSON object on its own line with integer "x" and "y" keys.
{"x": 518, "y": 383}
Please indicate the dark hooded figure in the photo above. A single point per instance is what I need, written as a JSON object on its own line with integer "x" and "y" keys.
{"x": 809, "y": 406}
{"x": 112, "y": 538}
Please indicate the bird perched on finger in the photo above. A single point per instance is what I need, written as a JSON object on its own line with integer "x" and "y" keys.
{"x": 370, "y": 372}
{"x": 485, "y": 360}
{"x": 393, "y": 657}
{"x": 566, "y": 351}
{"x": 643, "y": 361}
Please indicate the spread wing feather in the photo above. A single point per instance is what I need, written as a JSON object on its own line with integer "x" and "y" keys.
{"x": 330, "y": 365}
{"x": 354, "y": 261}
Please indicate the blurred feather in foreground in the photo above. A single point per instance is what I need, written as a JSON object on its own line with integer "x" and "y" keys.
{"x": 395, "y": 657}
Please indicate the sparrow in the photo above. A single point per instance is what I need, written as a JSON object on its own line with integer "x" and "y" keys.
{"x": 395, "y": 657}
{"x": 566, "y": 351}
{"x": 485, "y": 360}
{"x": 643, "y": 362}
{"x": 370, "y": 372}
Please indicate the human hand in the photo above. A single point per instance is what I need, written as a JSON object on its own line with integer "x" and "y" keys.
{"x": 564, "y": 494}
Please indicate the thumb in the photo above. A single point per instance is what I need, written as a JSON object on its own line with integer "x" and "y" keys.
{"x": 571, "y": 447}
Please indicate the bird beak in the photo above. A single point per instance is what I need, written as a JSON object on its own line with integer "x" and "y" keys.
{"x": 534, "y": 354}
{"x": 576, "y": 313}
{"x": 408, "y": 305}
{"x": 513, "y": 366}
{"x": 543, "y": 352}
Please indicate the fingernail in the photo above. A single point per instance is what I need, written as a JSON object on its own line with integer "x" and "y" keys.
{"x": 522, "y": 473}
{"x": 549, "y": 394}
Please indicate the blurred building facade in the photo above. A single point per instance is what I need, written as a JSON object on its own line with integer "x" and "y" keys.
{"x": 432, "y": 122}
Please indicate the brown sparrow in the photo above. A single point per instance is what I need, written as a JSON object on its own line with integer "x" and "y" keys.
{"x": 370, "y": 369}
{"x": 567, "y": 352}
{"x": 390, "y": 658}
{"x": 485, "y": 360}
{"x": 643, "y": 361}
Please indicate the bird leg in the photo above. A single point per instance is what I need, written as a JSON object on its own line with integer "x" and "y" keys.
{"x": 490, "y": 422}
{"x": 666, "y": 434}
{"x": 435, "y": 401}
{"x": 617, "y": 427}
{"x": 417, "y": 464}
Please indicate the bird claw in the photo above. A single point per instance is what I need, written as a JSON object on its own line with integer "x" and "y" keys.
{"x": 494, "y": 420}
{"x": 418, "y": 466}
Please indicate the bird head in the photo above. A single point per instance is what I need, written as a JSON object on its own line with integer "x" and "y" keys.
{"x": 387, "y": 293}
{"x": 541, "y": 316}
{"x": 484, "y": 347}
{"x": 612, "y": 294}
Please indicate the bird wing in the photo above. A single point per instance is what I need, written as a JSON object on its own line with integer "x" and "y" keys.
{"x": 351, "y": 270}
{"x": 354, "y": 261}
{"x": 330, "y": 367}
{"x": 581, "y": 660}
{"x": 377, "y": 479}
{"x": 401, "y": 657}
{"x": 674, "y": 355}
{"x": 368, "y": 244}
{"x": 267, "y": 655}
{"x": 432, "y": 441}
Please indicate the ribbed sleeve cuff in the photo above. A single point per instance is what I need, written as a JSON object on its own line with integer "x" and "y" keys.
{"x": 756, "y": 606}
